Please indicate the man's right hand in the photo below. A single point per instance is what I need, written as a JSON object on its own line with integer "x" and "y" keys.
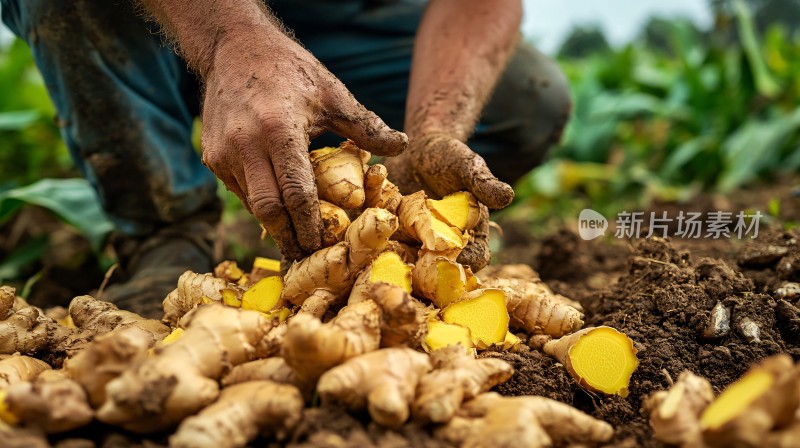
{"x": 265, "y": 97}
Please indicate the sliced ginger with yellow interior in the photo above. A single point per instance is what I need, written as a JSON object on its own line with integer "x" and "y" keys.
{"x": 441, "y": 334}
{"x": 446, "y": 232}
{"x": 262, "y": 268}
{"x": 439, "y": 279}
{"x": 484, "y": 312}
{"x": 389, "y": 268}
{"x": 5, "y": 414}
{"x": 511, "y": 342}
{"x": 762, "y": 403}
{"x": 601, "y": 359}
{"x": 417, "y": 224}
{"x": 264, "y": 296}
{"x": 172, "y": 337}
{"x": 267, "y": 264}
{"x": 459, "y": 209}
{"x": 736, "y": 398}
{"x": 231, "y": 298}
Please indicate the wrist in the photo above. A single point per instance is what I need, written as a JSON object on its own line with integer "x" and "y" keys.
{"x": 233, "y": 42}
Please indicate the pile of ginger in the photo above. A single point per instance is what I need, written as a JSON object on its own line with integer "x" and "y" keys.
{"x": 388, "y": 318}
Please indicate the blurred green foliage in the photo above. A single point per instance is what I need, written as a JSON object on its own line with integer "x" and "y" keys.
{"x": 677, "y": 112}
{"x": 30, "y": 144}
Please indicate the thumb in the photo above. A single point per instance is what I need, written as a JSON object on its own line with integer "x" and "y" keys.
{"x": 352, "y": 120}
{"x": 479, "y": 180}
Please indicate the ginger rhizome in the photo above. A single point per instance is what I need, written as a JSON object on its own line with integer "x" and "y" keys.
{"x": 311, "y": 347}
{"x": 766, "y": 398}
{"x": 326, "y": 276}
{"x": 456, "y": 377}
{"x": 383, "y": 382}
{"x": 387, "y": 317}
{"x": 675, "y": 413}
{"x": 181, "y": 378}
{"x": 439, "y": 279}
{"x": 340, "y": 174}
{"x": 242, "y": 412}
{"x": 417, "y": 224}
{"x": 459, "y": 209}
{"x": 533, "y": 307}
{"x": 380, "y": 192}
{"x": 194, "y": 289}
{"x": 52, "y": 402}
{"x": 601, "y": 359}
{"x": 388, "y": 268}
{"x": 334, "y": 223}
{"x": 491, "y": 420}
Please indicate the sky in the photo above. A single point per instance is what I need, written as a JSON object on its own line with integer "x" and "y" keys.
{"x": 547, "y": 22}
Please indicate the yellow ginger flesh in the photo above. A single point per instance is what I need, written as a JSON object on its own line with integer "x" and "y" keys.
{"x": 441, "y": 335}
{"x": 604, "y": 360}
{"x": 736, "y": 398}
{"x": 459, "y": 209}
{"x": 484, "y": 313}
{"x": 389, "y": 268}
{"x": 264, "y": 296}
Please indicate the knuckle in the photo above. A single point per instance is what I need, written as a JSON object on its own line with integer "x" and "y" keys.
{"x": 267, "y": 207}
{"x": 239, "y": 138}
{"x": 297, "y": 194}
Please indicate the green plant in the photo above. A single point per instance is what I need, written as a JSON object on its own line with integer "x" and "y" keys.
{"x": 650, "y": 122}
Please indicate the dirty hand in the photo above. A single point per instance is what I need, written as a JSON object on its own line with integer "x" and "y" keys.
{"x": 441, "y": 164}
{"x": 263, "y": 102}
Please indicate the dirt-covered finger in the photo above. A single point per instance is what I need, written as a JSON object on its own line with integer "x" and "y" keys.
{"x": 479, "y": 180}
{"x": 354, "y": 121}
{"x": 295, "y": 177}
{"x": 231, "y": 177}
{"x": 264, "y": 201}
{"x": 477, "y": 254}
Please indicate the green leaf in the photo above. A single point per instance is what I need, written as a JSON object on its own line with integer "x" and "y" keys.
{"x": 14, "y": 121}
{"x": 765, "y": 82}
{"x": 73, "y": 200}
{"x": 754, "y": 147}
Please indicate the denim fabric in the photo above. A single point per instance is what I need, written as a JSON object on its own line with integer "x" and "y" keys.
{"x": 126, "y": 102}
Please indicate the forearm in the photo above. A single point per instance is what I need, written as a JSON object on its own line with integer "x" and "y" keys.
{"x": 199, "y": 27}
{"x": 461, "y": 49}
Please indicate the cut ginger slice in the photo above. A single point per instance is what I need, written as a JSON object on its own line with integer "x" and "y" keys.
{"x": 736, "y": 399}
{"x": 484, "y": 312}
{"x": 601, "y": 359}
{"x": 444, "y": 231}
{"x": 389, "y": 268}
{"x": 267, "y": 264}
{"x": 441, "y": 334}
{"x": 458, "y": 209}
{"x": 264, "y": 296}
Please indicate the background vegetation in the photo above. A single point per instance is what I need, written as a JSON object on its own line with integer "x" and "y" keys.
{"x": 677, "y": 112}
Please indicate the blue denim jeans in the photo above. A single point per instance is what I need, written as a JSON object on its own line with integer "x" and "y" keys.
{"x": 126, "y": 102}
